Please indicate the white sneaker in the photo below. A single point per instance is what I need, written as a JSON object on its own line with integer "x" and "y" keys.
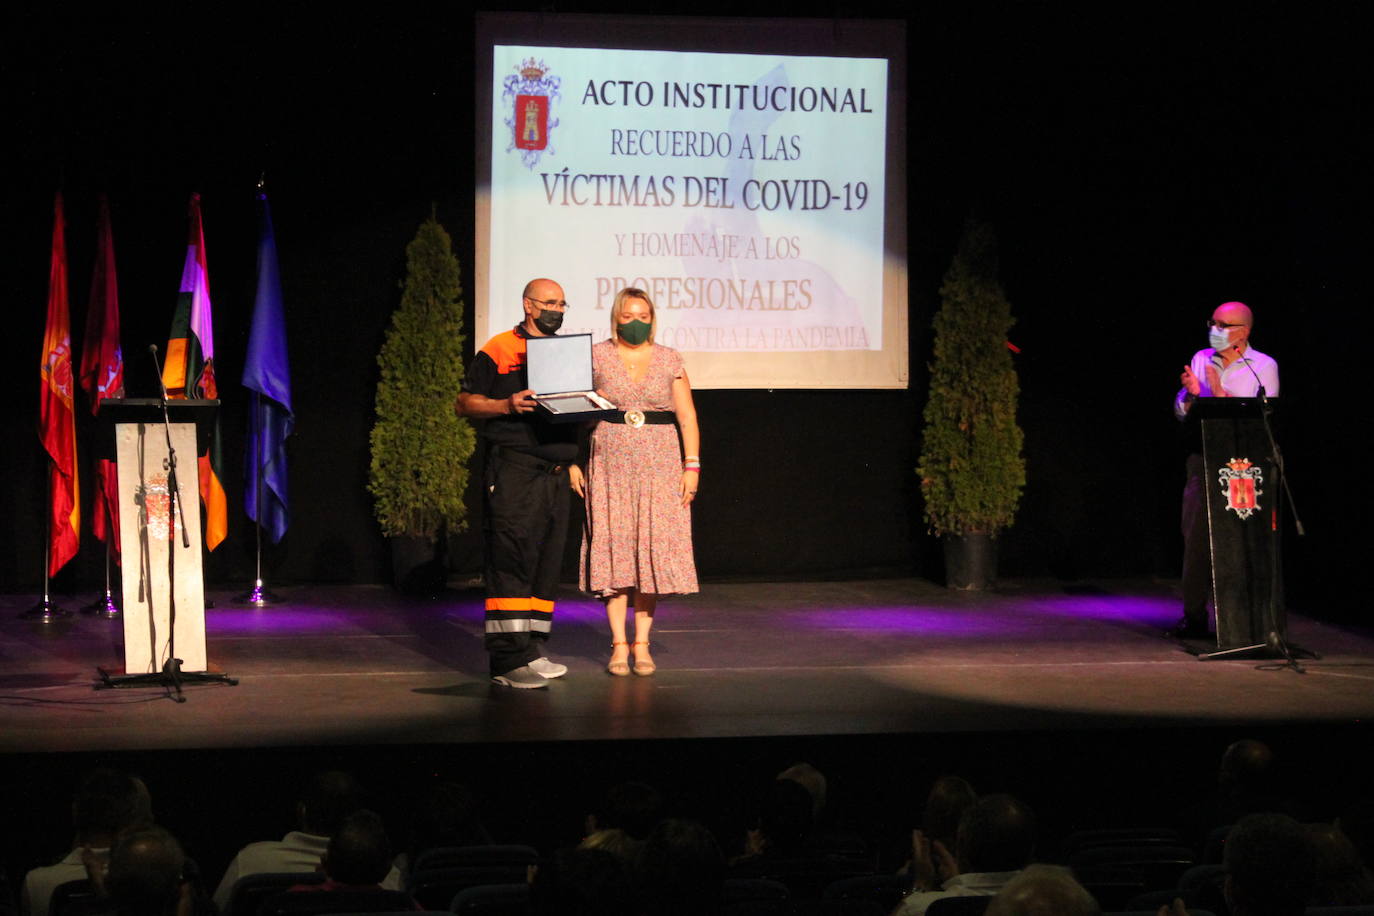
{"x": 524, "y": 677}
{"x": 544, "y": 667}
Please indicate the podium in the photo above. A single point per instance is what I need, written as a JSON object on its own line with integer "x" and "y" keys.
{"x": 1243, "y": 502}
{"x": 148, "y": 530}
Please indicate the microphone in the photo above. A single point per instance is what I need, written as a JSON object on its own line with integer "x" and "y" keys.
{"x": 1259, "y": 383}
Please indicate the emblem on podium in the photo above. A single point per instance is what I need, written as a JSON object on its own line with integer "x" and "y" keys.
{"x": 1240, "y": 480}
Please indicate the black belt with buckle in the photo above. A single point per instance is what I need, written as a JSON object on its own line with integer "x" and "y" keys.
{"x": 642, "y": 417}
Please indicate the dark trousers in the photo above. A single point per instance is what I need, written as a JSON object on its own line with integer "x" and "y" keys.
{"x": 525, "y": 528}
{"x": 1197, "y": 549}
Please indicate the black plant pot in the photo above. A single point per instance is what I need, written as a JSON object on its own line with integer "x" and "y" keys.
{"x": 417, "y": 566}
{"x": 970, "y": 561}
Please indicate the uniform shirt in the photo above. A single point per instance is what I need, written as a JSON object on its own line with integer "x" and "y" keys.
{"x": 497, "y": 372}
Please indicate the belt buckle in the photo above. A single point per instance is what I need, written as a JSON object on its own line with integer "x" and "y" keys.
{"x": 634, "y": 418}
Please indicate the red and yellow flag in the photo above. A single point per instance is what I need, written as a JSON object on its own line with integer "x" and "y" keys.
{"x": 189, "y": 371}
{"x": 57, "y": 417}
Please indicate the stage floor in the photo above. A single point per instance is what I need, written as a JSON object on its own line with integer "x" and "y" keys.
{"x": 361, "y": 665}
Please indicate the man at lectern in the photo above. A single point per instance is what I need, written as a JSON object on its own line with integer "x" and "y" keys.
{"x": 1227, "y": 368}
{"x": 526, "y": 491}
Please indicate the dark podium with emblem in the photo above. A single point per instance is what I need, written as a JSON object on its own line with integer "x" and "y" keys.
{"x": 1243, "y": 523}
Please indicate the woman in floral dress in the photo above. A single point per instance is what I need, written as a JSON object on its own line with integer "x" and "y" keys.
{"x": 639, "y": 481}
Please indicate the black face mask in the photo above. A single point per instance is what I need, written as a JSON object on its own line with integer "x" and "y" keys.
{"x": 548, "y": 321}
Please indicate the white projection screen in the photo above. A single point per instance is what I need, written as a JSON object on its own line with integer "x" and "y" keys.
{"x": 750, "y": 175}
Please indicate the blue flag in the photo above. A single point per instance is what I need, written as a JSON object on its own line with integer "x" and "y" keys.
{"x": 266, "y": 372}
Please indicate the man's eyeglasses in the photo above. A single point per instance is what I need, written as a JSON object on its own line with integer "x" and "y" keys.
{"x": 1221, "y": 325}
{"x": 557, "y": 305}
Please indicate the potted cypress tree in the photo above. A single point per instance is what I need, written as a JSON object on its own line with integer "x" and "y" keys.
{"x": 420, "y": 447}
{"x": 972, "y": 470}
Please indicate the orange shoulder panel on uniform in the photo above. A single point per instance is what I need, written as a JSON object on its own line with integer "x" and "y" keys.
{"x": 507, "y": 351}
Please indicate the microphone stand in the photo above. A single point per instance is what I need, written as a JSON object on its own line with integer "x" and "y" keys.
{"x": 171, "y": 677}
{"x": 1275, "y": 643}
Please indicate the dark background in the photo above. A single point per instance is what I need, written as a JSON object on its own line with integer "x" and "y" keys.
{"x": 1140, "y": 166}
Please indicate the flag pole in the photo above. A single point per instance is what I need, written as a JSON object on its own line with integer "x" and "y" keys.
{"x": 104, "y": 606}
{"x": 259, "y": 595}
{"x": 45, "y": 611}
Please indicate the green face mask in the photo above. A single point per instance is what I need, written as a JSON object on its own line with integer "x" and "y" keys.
{"x": 634, "y": 332}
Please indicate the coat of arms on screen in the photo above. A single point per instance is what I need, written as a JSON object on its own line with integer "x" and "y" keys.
{"x": 531, "y": 92}
{"x": 1240, "y": 482}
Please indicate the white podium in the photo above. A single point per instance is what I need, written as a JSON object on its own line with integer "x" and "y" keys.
{"x": 149, "y": 532}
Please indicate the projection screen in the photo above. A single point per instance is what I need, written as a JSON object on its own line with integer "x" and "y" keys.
{"x": 748, "y": 174}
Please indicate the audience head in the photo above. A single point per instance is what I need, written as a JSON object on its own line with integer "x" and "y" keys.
{"x": 1043, "y": 890}
{"x": 617, "y": 842}
{"x": 785, "y": 817}
{"x": 633, "y": 807}
{"x": 810, "y": 779}
{"x": 358, "y": 852}
{"x": 949, "y": 798}
{"x": 146, "y": 872}
{"x": 682, "y": 870}
{"x": 106, "y": 802}
{"x": 996, "y": 833}
{"x": 329, "y": 797}
{"x": 1247, "y": 767}
{"x": 1269, "y": 867}
{"x": 1341, "y": 877}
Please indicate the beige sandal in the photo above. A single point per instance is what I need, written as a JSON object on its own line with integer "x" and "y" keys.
{"x": 621, "y": 668}
{"x": 644, "y": 666}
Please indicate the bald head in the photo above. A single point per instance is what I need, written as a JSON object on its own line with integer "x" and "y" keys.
{"x": 1043, "y": 890}
{"x": 1234, "y": 313}
{"x": 543, "y": 288}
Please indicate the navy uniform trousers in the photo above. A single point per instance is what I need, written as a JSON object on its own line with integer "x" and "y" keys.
{"x": 525, "y": 527}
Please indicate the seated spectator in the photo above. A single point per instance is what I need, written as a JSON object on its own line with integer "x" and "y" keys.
{"x": 634, "y": 807}
{"x": 949, "y": 798}
{"x": 445, "y": 816}
{"x": 328, "y": 799}
{"x": 781, "y": 846}
{"x": 827, "y": 830}
{"x": 103, "y": 803}
{"x": 358, "y": 856}
{"x": 1269, "y": 866}
{"x": 147, "y": 875}
{"x": 618, "y": 843}
{"x": 681, "y": 872}
{"x": 1249, "y": 780}
{"x": 583, "y": 882}
{"x": 994, "y": 842}
{"x": 1341, "y": 878}
{"x": 1043, "y": 890}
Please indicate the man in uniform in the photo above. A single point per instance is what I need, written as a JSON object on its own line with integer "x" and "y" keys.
{"x": 1229, "y": 368}
{"x": 527, "y": 494}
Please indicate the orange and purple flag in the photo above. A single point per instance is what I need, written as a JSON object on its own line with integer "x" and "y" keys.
{"x": 189, "y": 371}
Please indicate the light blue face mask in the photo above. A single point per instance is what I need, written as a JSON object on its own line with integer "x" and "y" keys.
{"x": 1219, "y": 338}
